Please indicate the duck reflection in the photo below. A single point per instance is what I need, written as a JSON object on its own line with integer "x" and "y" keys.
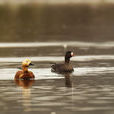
{"x": 68, "y": 82}
{"x": 24, "y": 83}
{"x": 26, "y": 93}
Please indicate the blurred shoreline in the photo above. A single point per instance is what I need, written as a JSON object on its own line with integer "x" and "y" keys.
{"x": 74, "y": 21}
{"x": 20, "y": 2}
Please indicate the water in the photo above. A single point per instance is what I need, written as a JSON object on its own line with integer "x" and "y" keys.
{"x": 89, "y": 89}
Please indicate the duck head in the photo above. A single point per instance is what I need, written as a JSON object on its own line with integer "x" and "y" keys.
{"x": 68, "y": 55}
{"x": 26, "y": 63}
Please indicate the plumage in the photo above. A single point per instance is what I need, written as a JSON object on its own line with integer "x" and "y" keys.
{"x": 66, "y": 67}
{"x": 24, "y": 75}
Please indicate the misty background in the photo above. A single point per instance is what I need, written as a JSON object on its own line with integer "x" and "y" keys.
{"x": 56, "y": 20}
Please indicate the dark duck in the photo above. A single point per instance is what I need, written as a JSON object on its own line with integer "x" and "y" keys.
{"x": 25, "y": 74}
{"x": 66, "y": 67}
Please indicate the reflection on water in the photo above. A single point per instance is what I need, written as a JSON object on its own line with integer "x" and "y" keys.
{"x": 26, "y": 93}
{"x": 68, "y": 82}
{"x": 24, "y": 83}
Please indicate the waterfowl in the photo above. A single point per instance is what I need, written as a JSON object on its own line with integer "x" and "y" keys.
{"x": 66, "y": 67}
{"x": 25, "y": 74}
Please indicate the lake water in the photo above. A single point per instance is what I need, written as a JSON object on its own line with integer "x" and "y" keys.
{"x": 43, "y": 33}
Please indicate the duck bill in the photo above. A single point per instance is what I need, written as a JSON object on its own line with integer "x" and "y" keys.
{"x": 72, "y": 54}
{"x": 31, "y": 64}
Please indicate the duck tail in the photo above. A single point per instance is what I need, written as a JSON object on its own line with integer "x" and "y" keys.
{"x": 53, "y": 68}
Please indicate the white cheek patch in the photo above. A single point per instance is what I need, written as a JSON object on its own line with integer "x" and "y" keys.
{"x": 72, "y": 54}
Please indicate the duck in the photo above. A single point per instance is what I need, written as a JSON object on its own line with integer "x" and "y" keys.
{"x": 25, "y": 74}
{"x": 65, "y": 67}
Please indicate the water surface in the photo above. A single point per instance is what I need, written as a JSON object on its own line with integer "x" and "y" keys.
{"x": 89, "y": 89}
{"x": 43, "y": 33}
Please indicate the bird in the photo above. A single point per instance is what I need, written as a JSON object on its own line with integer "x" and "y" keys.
{"x": 25, "y": 74}
{"x": 65, "y": 67}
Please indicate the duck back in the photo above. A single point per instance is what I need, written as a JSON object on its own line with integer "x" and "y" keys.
{"x": 62, "y": 68}
{"x": 24, "y": 75}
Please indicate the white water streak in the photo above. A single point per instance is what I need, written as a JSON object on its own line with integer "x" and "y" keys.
{"x": 63, "y": 44}
{"x": 45, "y": 73}
{"x": 57, "y": 59}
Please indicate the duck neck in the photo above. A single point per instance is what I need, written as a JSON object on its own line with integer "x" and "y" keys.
{"x": 25, "y": 69}
{"x": 67, "y": 60}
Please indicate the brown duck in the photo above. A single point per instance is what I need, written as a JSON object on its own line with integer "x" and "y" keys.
{"x": 25, "y": 74}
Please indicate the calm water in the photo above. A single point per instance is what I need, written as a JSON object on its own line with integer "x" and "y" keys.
{"x": 43, "y": 36}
